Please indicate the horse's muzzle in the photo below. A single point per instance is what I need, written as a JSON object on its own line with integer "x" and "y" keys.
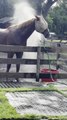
{"x": 46, "y": 33}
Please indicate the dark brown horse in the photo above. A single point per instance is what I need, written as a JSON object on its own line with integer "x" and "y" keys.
{"x": 18, "y": 35}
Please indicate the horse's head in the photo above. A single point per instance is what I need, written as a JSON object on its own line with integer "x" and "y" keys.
{"x": 41, "y": 26}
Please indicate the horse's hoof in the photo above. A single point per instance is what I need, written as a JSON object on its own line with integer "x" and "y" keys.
{"x": 17, "y": 80}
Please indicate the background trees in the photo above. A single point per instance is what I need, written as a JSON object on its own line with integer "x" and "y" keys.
{"x": 57, "y": 19}
{"x": 6, "y": 8}
{"x": 6, "y": 11}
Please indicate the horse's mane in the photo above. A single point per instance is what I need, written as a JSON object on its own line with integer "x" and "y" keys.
{"x": 26, "y": 23}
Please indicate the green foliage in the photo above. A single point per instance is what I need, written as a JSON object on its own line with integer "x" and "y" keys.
{"x": 57, "y": 20}
{"x": 32, "y": 117}
{"x": 6, "y": 111}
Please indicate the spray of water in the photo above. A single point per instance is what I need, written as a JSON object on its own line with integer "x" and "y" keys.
{"x": 23, "y": 12}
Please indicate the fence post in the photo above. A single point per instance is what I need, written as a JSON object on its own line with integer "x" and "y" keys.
{"x": 58, "y": 55}
{"x": 38, "y": 63}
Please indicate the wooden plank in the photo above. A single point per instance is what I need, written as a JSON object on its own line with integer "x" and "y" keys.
{"x": 57, "y": 76}
{"x": 62, "y": 61}
{"x": 17, "y": 61}
{"x": 25, "y": 61}
{"x": 46, "y": 49}
{"x": 58, "y": 51}
{"x": 46, "y": 62}
{"x": 38, "y": 63}
{"x": 63, "y": 56}
{"x": 16, "y": 48}
{"x": 63, "y": 67}
{"x": 62, "y": 48}
{"x": 32, "y": 75}
{"x": 13, "y": 48}
{"x": 17, "y": 75}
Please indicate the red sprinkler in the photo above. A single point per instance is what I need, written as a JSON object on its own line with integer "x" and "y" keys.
{"x": 50, "y": 72}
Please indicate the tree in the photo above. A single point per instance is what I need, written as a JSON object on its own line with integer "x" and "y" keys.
{"x": 46, "y": 5}
{"x": 6, "y": 8}
{"x": 42, "y": 6}
{"x": 6, "y": 11}
{"x": 57, "y": 20}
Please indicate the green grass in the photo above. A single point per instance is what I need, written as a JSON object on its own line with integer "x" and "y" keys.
{"x": 7, "y": 112}
{"x": 49, "y": 87}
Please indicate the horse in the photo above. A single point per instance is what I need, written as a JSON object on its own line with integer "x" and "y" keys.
{"x": 18, "y": 35}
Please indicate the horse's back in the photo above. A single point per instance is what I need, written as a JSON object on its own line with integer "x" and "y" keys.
{"x": 3, "y": 36}
{"x": 3, "y": 30}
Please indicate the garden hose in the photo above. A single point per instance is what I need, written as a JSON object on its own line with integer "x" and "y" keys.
{"x": 50, "y": 67}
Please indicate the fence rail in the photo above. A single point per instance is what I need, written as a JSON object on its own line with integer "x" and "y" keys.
{"x": 25, "y": 61}
{"x": 38, "y": 61}
{"x": 32, "y": 75}
{"x": 12, "y": 48}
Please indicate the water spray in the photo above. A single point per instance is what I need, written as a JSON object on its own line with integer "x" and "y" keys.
{"x": 23, "y": 12}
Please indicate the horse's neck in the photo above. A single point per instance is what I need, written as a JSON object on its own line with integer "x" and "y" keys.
{"x": 27, "y": 28}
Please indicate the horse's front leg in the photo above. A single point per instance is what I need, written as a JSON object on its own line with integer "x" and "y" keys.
{"x": 9, "y": 55}
{"x": 18, "y": 56}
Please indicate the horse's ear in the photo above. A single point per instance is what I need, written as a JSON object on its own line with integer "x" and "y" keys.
{"x": 37, "y": 18}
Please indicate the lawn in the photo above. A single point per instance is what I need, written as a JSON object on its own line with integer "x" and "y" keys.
{"x": 7, "y": 112}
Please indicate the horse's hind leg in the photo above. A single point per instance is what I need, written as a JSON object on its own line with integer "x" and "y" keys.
{"x": 10, "y": 55}
{"x": 18, "y": 55}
